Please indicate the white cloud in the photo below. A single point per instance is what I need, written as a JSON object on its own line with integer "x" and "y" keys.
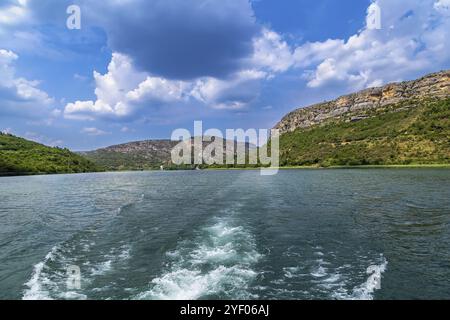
{"x": 126, "y": 129}
{"x": 39, "y": 138}
{"x": 19, "y": 94}
{"x": 14, "y": 13}
{"x": 80, "y": 77}
{"x": 122, "y": 90}
{"x": 233, "y": 93}
{"x": 159, "y": 89}
{"x": 7, "y": 131}
{"x": 92, "y": 131}
{"x": 443, "y": 6}
{"x": 271, "y": 52}
{"x": 414, "y": 40}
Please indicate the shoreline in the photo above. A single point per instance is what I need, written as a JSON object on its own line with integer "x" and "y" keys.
{"x": 363, "y": 167}
{"x": 393, "y": 166}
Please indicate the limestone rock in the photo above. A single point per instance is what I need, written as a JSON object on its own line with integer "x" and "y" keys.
{"x": 356, "y": 106}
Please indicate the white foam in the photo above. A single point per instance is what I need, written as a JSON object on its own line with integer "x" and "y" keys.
{"x": 184, "y": 284}
{"x": 366, "y": 290}
{"x": 126, "y": 253}
{"x": 217, "y": 262}
{"x": 71, "y": 295}
{"x": 334, "y": 282}
{"x": 320, "y": 271}
{"x": 102, "y": 268}
{"x": 214, "y": 255}
{"x": 49, "y": 280}
{"x": 35, "y": 289}
{"x": 291, "y": 272}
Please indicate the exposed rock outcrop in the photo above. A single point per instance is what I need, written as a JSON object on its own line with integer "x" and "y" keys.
{"x": 357, "y": 106}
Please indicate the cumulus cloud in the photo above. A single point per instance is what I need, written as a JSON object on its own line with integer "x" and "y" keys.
{"x": 233, "y": 93}
{"x": 125, "y": 89}
{"x": 92, "y": 131}
{"x": 19, "y": 96}
{"x": 271, "y": 52}
{"x": 413, "y": 40}
{"x": 122, "y": 91}
{"x": 214, "y": 54}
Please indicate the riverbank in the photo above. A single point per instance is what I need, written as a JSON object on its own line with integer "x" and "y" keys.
{"x": 409, "y": 166}
{"x": 399, "y": 166}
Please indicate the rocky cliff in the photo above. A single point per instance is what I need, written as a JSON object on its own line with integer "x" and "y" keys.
{"x": 361, "y": 105}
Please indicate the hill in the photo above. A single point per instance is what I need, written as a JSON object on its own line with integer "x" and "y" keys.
{"x": 400, "y": 123}
{"x": 145, "y": 155}
{"x": 19, "y": 156}
{"x": 138, "y": 155}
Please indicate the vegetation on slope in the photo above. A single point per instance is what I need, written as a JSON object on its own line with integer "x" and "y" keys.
{"x": 19, "y": 156}
{"x": 113, "y": 161}
{"x": 413, "y": 132}
{"x": 151, "y": 155}
{"x": 138, "y": 155}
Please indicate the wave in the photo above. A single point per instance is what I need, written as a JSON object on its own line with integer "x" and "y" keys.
{"x": 217, "y": 263}
{"x": 320, "y": 277}
{"x": 35, "y": 289}
{"x": 49, "y": 278}
{"x": 366, "y": 290}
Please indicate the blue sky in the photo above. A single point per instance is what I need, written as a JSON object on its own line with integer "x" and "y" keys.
{"x": 140, "y": 69}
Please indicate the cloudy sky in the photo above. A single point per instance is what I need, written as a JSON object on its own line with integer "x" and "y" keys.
{"x": 138, "y": 69}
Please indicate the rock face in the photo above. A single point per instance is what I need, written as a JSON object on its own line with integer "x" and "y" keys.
{"x": 357, "y": 106}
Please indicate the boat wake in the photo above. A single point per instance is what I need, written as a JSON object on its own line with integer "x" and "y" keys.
{"x": 50, "y": 276}
{"x": 366, "y": 290}
{"x": 84, "y": 251}
{"x": 217, "y": 264}
{"x": 320, "y": 276}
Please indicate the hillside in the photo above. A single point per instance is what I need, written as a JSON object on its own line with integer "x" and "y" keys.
{"x": 144, "y": 155}
{"x": 19, "y": 156}
{"x": 401, "y": 123}
{"x": 138, "y": 155}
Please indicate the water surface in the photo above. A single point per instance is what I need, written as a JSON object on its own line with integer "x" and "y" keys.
{"x": 228, "y": 235}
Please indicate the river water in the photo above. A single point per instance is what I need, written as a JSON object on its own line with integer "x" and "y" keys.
{"x": 301, "y": 234}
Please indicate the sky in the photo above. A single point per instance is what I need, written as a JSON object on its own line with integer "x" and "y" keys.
{"x": 139, "y": 69}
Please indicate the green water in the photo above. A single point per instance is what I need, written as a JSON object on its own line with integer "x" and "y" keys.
{"x": 227, "y": 235}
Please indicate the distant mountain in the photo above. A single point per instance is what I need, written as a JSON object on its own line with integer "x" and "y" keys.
{"x": 138, "y": 155}
{"x": 19, "y": 156}
{"x": 400, "y": 123}
{"x": 145, "y": 155}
